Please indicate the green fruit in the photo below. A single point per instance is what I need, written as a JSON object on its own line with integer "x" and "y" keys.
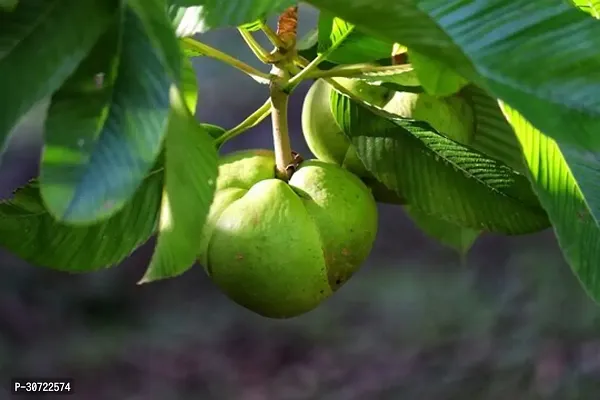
{"x": 280, "y": 249}
{"x": 323, "y": 135}
{"x": 451, "y": 116}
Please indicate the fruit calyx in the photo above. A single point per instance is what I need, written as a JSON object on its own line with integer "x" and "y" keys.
{"x": 293, "y": 165}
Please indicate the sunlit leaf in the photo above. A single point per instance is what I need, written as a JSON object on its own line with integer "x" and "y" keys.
{"x": 570, "y": 196}
{"x": 190, "y": 180}
{"x": 591, "y": 7}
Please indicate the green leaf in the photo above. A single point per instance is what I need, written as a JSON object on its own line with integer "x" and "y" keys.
{"x": 39, "y": 49}
{"x": 439, "y": 176}
{"x": 560, "y": 192}
{"x": 102, "y": 139}
{"x": 190, "y": 180}
{"x": 449, "y": 234}
{"x": 309, "y": 40}
{"x": 189, "y": 85}
{"x": 436, "y": 78}
{"x": 552, "y": 75}
{"x": 158, "y": 28}
{"x": 382, "y": 193}
{"x": 187, "y": 21}
{"x": 401, "y": 78}
{"x": 8, "y": 5}
{"x": 332, "y": 31}
{"x": 591, "y": 7}
{"x": 308, "y": 47}
{"x": 213, "y": 131}
{"x": 493, "y": 134}
{"x": 353, "y": 47}
{"x": 30, "y": 232}
{"x": 231, "y": 13}
{"x": 254, "y": 25}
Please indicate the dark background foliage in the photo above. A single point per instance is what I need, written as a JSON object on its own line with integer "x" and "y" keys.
{"x": 510, "y": 322}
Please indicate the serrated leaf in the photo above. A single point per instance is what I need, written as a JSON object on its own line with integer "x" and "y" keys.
{"x": 30, "y": 232}
{"x": 493, "y": 134}
{"x": 231, "y": 13}
{"x": 102, "y": 140}
{"x": 454, "y": 236}
{"x": 552, "y": 75}
{"x": 8, "y": 5}
{"x": 436, "y": 78}
{"x": 190, "y": 180}
{"x": 560, "y": 192}
{"x": 39, "y": 50}
{"x": 437, "y": 175}
{"x": 591, "y": 7}
{"x": 352, "y": 46}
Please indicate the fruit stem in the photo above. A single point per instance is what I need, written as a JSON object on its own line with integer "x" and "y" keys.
{"x": 209, "y": 51}
{"x": 272, "y": 36}
{"x": 279, "y": 117}
{"x": 303, "y": 62}
{"x": 312, "y": 66}
{"x": 250, "y": 122}
{"x": 356, "y": 70}
{"x": 304, "y": 73}
{"x": 260, "y": 53}
{"x": 287, "y": 27}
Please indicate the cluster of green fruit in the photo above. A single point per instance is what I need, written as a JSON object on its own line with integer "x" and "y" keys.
{"x": 280, "y": 248}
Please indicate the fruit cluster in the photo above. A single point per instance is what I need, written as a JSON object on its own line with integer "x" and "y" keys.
{"x": 280, "y": 248}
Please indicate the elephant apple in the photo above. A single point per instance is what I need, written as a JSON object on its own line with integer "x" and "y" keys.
{"x": 323, "y": 135}
{"x": 280, "y": 248}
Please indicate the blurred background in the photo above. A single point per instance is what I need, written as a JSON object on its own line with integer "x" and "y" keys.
{"x": 415, "y": 322}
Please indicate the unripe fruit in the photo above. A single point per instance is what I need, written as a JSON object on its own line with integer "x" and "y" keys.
{"x": 280, "y": 249}
{"x": 451, "y": 116}
{"x": 323, "y": 135}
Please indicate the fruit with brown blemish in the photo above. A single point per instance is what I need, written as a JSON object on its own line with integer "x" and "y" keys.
{"x": 281, "y": 248}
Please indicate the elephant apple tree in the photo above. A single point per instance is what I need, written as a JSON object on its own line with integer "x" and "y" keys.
{"x": 471, "y": 127}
